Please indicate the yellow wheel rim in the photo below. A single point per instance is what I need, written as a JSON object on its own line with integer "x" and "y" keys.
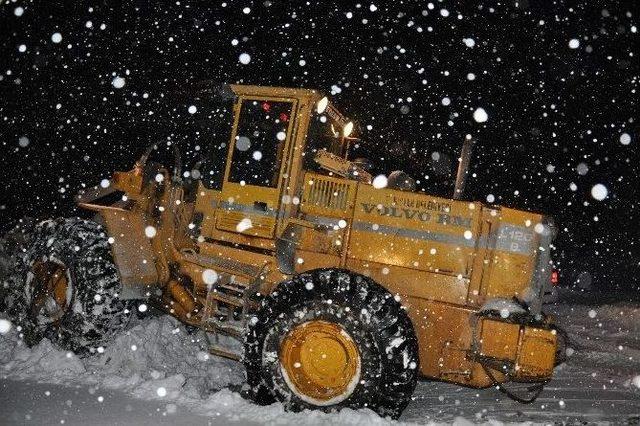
{"x": 50, "y": 289}
{"x": 320, "y": 362}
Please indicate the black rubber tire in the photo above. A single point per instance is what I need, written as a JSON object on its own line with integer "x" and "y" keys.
{"x": 563, "y": 344}
{"x": 15, "y": 242}
{"x": 375, "y": 320}
{"x": 95, "y": 311}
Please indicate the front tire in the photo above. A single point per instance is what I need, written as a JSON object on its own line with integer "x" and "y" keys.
{"x": 12, "y": 245}
{"x": 65, "y": 286}
{"x": 330, "y": 339}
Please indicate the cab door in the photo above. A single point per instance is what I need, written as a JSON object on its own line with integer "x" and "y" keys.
{"x": 257, "y": 159}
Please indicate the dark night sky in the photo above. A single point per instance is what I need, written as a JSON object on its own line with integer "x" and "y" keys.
{"x": 551, "y": 107}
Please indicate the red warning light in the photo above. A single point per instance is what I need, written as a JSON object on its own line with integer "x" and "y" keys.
{"x": 266, "y": 106}
{"x": 284, "y": 117}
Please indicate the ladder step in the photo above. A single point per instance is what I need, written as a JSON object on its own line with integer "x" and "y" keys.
{"x": 232, "y": 287}
{"x": 228, "y": 265}
{"x": 218, "y": 313}
{"x": 230, "y": 300}
{"x": 224, "y": 352}
{"x": 228, "y": 329}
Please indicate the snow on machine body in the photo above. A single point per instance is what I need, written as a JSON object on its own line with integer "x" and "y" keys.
{"x": 341, "y": 291}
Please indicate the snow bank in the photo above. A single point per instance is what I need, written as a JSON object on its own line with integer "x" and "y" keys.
{"x": 157, "y": 360}
{"x": 152, "y": 351}
{"x": 43, "y": 360}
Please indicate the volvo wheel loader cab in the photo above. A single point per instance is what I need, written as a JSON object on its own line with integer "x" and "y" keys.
{"x": 337, "y": 293}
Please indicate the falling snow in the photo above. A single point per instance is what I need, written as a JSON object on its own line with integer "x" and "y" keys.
{"x": 625, "y": 139}
{"x": 5, "y": 326}
{"x": 599, "y": 192}
{"x": 549, "y": 94}
{"x": 380, "y": 182}
{"x": 480, "y": 115}
{"x": 150, "y": 231}
{"x": 244, "y": 58}
{"x": 209, "y": 276}
{"x": 118, "y": 82}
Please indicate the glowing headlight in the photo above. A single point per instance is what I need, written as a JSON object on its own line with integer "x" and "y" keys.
{"x": 348, "y": 128}
{"x": 322, "y": 105}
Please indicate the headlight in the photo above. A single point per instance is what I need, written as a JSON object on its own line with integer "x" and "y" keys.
{"x": 348, "y": 128}
{"x": 322, "y": 105}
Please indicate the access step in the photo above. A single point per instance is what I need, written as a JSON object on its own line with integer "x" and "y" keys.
{"x": 227, "y": 328}
{"x": 233, "y": 286}
{"x": 221, "y": 264}
{"x": 228, "y": 299}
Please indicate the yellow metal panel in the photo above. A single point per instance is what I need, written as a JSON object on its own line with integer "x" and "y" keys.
{"x": 411, "y": 253}
{"x": 280, "y": 92}
{"x": 412, "y": 283}
{"x": 537, "y": 354}
{"x": 444, "y": 333}
{"x": 499, "y": 339}
{"x": 329, "y": 241}
{"x": 257, "y": 260}
{"x": 132, "y": 252}
{"x": 207, "y": 204}
{"x": 414, "y": 230}
{"x": 513, "y": 260}
{"x": 241, "y": 239}
{"x": 129, "y": 182}
{"x": 454, "y": 365}
{"x": 237, "y": 210}
{"x": 482, "y": 259}
{"x": 307, "y": 260}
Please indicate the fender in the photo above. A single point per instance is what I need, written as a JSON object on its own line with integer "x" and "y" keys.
{"x": 132, "y": 252}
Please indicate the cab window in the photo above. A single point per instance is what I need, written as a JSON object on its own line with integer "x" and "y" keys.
{"x": 259, "y": 142}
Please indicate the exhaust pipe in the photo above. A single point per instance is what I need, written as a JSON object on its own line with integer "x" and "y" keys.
{"x": 463, "y": 167}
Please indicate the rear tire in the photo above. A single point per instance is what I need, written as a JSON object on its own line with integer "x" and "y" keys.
{"x": 81, "y": 310}
{"x": 363, "y": 315}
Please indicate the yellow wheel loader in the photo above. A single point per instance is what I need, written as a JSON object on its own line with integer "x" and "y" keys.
{"x": 341, "y": 288}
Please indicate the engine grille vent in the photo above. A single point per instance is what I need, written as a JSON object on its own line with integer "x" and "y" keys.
{"x": 326, "y": 193}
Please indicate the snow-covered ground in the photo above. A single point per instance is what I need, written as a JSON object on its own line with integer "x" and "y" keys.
{"x": 157, "y": 361}
{"x": 599, "y": 383}
{"x": 156, "y": 373}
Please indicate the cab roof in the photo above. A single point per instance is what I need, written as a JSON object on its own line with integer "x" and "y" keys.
{"x": 281, "y": 92}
